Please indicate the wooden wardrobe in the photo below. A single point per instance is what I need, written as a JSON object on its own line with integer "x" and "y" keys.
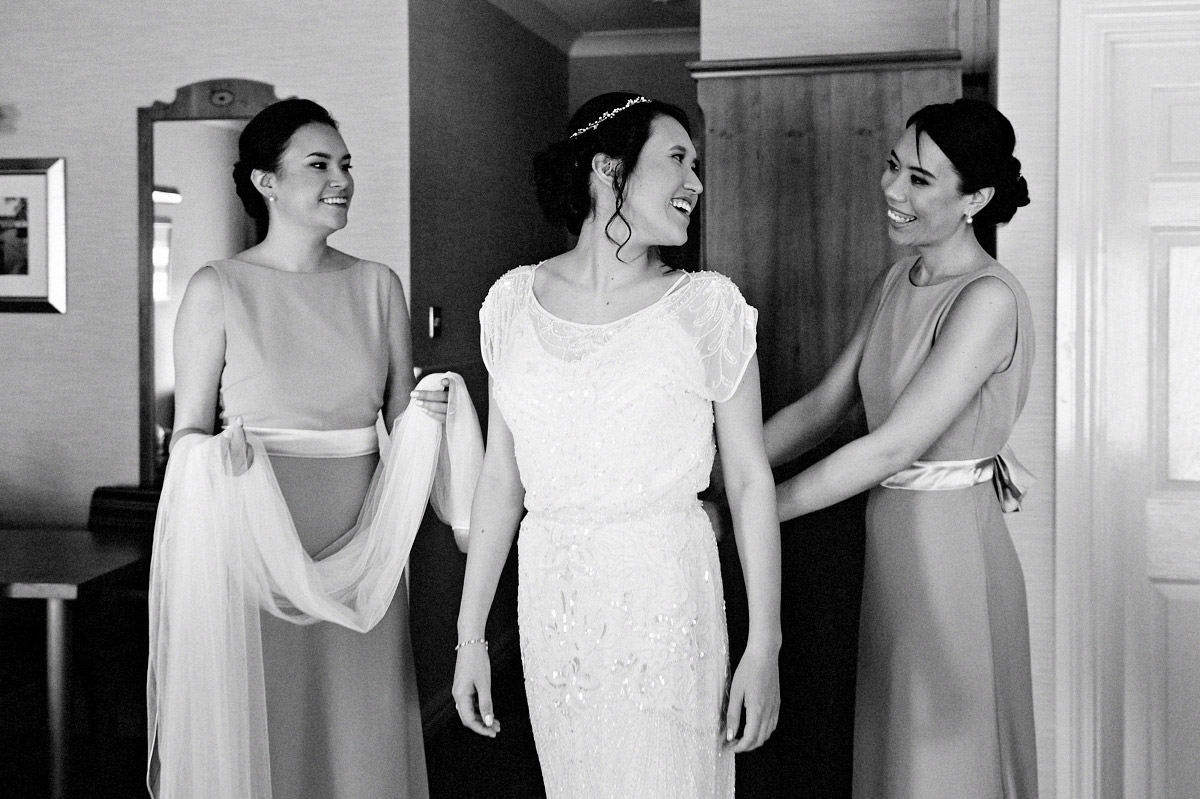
{"x": 793, "y": 152}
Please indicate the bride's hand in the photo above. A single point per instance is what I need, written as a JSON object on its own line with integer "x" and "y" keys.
{"x": 472, "y": 689}
{"x": 755, "y": 688}
{"x": 436, "y": 403}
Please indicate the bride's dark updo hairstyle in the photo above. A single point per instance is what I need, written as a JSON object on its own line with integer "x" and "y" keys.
{"x": 979, "y": 142}
{"x": 263, "y": 142}
{"x": 616, "y": 124}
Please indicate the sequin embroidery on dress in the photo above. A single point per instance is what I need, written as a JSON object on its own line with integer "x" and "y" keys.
{"x": 620, "y": 602}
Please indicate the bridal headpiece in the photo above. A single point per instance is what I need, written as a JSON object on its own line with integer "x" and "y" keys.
{"x": 607, "y": 115}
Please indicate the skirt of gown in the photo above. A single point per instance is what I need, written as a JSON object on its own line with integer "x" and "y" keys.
{"x": 944, "y": 704}
{"x": 623, "y": 641}
{"x": 343, "y": 716}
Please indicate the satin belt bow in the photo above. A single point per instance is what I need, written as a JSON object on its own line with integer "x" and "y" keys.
{"x": 1009, "y": 477}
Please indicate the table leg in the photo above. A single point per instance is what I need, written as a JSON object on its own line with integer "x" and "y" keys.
{"x": 58, "y": 693}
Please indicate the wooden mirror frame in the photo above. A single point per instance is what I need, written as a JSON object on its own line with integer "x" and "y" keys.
{"x": 222, "y": 98}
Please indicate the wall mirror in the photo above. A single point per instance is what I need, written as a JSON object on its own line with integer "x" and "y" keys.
{"x": 188, "y": 214}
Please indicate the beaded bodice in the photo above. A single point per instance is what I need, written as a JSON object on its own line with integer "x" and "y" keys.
{"x": 610, "y": 418}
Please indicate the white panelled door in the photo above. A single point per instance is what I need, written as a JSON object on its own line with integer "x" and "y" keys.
{"x": 1154, "y": 219}
{"x": 1132, "y": 456}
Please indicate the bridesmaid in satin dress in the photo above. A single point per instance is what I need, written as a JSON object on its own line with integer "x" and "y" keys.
{"x": 941, "y": 356}
{"x": 294, "y": 335}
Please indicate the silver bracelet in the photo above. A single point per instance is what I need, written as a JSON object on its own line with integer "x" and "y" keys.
{"x": 481, "y": 641}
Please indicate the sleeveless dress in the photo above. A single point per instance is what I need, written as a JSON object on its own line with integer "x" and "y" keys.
{"x": 310, "y": 351}
{"x": 944, "y": 704}
{"x": 620, "y": 606}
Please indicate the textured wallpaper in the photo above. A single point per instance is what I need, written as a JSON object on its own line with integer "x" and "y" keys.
{"x": 73, "y": 77}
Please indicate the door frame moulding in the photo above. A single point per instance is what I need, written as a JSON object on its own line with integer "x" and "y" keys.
{"x": 1089, "y": 610}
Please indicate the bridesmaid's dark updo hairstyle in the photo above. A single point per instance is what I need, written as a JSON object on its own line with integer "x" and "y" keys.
{"x": 263, "y": 142}
{"x": 616, "y": 124}
{"x": 979, "y": 141}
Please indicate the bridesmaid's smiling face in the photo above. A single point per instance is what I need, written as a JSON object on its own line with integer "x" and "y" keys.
{"x": 313, "y": 186}
{"x": 925, "y": 206}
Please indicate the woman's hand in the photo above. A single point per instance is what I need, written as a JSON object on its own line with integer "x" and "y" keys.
{"x": 756, "y": 688}
{"x": 435, "y": 403}
{"x": 241, "y": 455}
{"x": 472, "y": 689}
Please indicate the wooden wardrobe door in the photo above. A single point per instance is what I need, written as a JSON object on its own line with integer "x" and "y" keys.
{"x": 794, "y": 214}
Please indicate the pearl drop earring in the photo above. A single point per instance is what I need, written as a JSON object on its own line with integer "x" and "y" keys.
{"x": 970, "y": 219}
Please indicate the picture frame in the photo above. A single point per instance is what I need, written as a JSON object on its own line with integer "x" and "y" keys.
{"x": 33, "y": 235}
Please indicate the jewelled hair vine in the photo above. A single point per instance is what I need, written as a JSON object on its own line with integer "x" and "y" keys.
{"x": 607, "y": 115}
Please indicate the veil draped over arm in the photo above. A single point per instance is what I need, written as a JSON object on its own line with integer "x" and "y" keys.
{"x": 226, "y": 547}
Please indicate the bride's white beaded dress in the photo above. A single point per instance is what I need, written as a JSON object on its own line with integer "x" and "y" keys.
{"x": 620, "y": 603}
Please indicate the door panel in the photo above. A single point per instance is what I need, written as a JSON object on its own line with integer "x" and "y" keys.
{"x": 1150, "y": 373}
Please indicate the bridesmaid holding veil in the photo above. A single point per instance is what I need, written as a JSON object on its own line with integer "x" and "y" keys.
{"x": 298, "y": 348}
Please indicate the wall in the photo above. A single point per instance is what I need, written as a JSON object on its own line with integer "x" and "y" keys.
{"x": 663, "y": 76}
{"x": 732, "y": 29}
{"x": 1027, "y": 92}
{"x": 74, "y": 75}
{"x": 747, "y": 29}
{"x": 486, "y": 95}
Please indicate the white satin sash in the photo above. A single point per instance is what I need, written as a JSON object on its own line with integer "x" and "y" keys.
{"x": 317, "y": 443}
{"x": 1009, "y": 477}
{"x": 226, "y": 547}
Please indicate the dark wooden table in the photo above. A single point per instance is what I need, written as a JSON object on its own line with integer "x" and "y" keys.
{"x": 53, "y": 565}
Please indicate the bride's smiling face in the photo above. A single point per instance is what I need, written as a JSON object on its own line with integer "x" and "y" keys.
{"x": 662, "y": 192}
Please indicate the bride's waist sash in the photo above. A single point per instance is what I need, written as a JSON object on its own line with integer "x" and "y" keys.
{"x": 1009, "y": 477}
{"x": 295, "y": 443}
{"x": 594, "y": 517}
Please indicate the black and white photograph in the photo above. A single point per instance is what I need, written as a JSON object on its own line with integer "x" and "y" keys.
{"x": 14, "y": 235}
{"x": 600, "y": 399}
{"x": 32, "y": 235}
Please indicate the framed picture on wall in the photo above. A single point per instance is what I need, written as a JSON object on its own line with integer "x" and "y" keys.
{"x": 33, "y": 235}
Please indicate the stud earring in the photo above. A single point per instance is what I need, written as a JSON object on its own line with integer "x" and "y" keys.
{"x": 271, "y": 198}
{"x": 970, "y": 219}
